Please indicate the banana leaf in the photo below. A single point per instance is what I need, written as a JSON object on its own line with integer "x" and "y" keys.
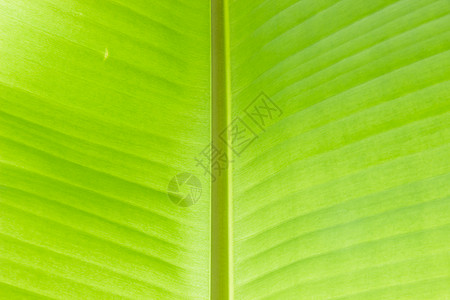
{"x": 225, "y": 149}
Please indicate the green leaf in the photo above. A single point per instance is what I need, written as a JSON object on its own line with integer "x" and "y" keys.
{"x": 334, "y": 114}
{"x": 346, "y": 194}
{"x": 102, "y": 104}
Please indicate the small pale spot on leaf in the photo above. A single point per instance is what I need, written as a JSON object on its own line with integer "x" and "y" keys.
{"x": 105, "y": 57}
